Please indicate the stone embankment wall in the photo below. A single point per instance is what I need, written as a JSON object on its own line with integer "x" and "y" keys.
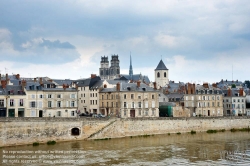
{"x": 134, "y": 127}
{"x": 18, "y": 131}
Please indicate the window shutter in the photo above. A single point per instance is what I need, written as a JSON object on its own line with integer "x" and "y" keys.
{"x": 52, "y": 104}
{"x": 76, "y": 103}
{"x": 61, "y": 95}
{"x": 67, "y": 103}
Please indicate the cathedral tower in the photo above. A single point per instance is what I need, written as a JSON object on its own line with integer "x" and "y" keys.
{"x": 130, "y": 69}
{"x": 104, "y": 68}
{"x": 115, "y": 67}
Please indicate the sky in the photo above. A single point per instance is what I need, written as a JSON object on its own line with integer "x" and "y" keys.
{"x": 198, "y": 40}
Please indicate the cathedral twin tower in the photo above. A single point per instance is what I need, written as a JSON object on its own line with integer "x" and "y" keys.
{"x": 113, "y": 71}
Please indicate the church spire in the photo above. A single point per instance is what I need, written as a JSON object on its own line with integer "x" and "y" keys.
{"x": 130, "y": 68}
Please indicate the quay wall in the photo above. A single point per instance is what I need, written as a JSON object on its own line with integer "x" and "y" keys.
{"x": 18, "y": 131}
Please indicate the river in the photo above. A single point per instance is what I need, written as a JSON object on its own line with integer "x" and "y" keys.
{"x": 222, "y": 148}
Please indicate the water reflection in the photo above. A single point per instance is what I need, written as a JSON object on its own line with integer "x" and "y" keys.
{"x": 200, "y": 149}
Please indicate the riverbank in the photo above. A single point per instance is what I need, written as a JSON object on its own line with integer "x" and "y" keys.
{"x": 20, "y": 131}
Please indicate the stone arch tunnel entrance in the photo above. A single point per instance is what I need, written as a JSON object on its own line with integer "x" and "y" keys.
{"x": 75, "y": 131}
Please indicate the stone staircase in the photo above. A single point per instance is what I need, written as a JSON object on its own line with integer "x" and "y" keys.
{"x": 102, "y": 129}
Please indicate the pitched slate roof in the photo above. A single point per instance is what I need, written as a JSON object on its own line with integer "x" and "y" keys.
{"x": 161, "y": 66}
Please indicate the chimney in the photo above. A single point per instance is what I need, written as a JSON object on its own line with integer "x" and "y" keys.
{"x": 64, "y": 86}
{"x": 154, "y": 85}
{"x": 229, "y": 92}
{"x": 189, "y": 88}
{"x": 105, "y": 86}
{"x": 241, "y": 92}
{"x": 4, "y": 83}
{"x": 118, "y": 86}
{"x": 34, "y": 79}
{"x": 7, "y": 79}
{"x": 18, "y": 76}
{"x": 41, "y": 81}
{"x": 193, "y": 88}
{"x": 205, "y": 85}
{"x": 23, "y": 84}
{"x": 138, "y": 84}
{"x": 93, "y": 75}
{"x": 214, "y": 85}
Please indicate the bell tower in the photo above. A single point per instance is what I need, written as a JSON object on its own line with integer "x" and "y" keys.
{"x": 161, "y": 75}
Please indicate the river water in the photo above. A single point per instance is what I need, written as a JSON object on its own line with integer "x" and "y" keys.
{"x": 223, "y": 148}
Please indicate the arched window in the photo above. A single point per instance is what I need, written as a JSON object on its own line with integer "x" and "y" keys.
{"x": 158, "y": 74}
{"x": 75, "y": 131}
{"x": 165, "y": 74}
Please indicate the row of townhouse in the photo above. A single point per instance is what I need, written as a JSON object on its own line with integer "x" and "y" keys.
{"x": 37, "y": 99}
{"x": 44, "y": 97}
{"x": 117, "y": 98}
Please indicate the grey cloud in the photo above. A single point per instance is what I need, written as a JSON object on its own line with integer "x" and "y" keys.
{"x": 56, "y": 44}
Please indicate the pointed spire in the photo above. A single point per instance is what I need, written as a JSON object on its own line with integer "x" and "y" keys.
{"x": 130, "y": 68}
{"x": 161, "y": 66}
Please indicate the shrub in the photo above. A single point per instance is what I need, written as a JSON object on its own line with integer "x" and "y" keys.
{"x": 35, "y": 143}
{"x": 193, "y": 132}
{"x": 51, "y": 142}
{"x": 211, "y": 131}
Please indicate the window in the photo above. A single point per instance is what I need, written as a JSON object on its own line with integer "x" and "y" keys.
{"x": 125, "y": 105}
{"x": 90, "y": 94}
{"x": 81, "y": 101}
{"x": 102, "y": 96}
{"x": 125, "y": 112}
{"x": 11, "y": 102}
{"x": 218, "y": 97}
{"x": 133, "y": 105}
{"x": 234, "y": 100}
{"x": 49, "y": 96}
{"x": 243, "y": 105}
{"x": 139, "y": 104}
{"x": 90, "y": 102}
{"x": 139, "y": 97}
{"x": 125, "y": 96}
{"x": 59, "y": 104}
{"x": 158, "y": 74}
{"x": 102, "y": 104}
{"x": 165, "y": 74}
{"x": 33, "y": 113}
{"x": 238, "y": 100}
{"x": 146, "y": 104}
{"x": 81, "y": 95}
{"x": 49, "y": 104}
{"x": 59, "y": 96}
{"x": 40, "y": 96}
{"x": 146, "y": 112}
{"x": 1, "y": 103}
{"x": 116, "y": 104}
{"x": 213, "y": 104}
{"x": 139, "y": 112}
{"x": 218, "y": 104}
{"x": 242, "y": 100}
{"x": 33, "y": 96}
{"x": 153, "y": 112}
{"x": 96, "y": 102}
{"x": 84, "y": 95}
{"x": 153, "y": 104}
{"x": 58, "y": 113}
{"x": 204, "y": 97}
{"x": 72, "y": 113}
{"x": 107, "y": 96}
{"x": 33, "y": 104}
{"x": 73, "y": 96}
{"x": 21, "y": 102}
{"x": 117, "y": 97}
{"x": 132, "y": 96}
{"x": 96, "y": 95}
{"x": 72, "y": 103}
{"x": 153, "y": 96}
{"x": 107, "y": 104}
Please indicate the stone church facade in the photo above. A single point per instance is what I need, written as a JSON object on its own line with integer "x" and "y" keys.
{"x": 112, "y": 71}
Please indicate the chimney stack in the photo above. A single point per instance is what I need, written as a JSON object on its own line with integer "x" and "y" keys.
{"x": 34, "y": 79}
{"x": 23, "y": 84}
{"x": 241, "y": 92}
{"x": 4, "y": 83}
{"x": 40, "y": 80}
{"x": 93, "y": 75}
{"x": 7, "y": 79}
{"x": 64, "y": 87}
{"x": 18, "y": 76}
{"x": 229, "y": 92}
{"x": 154, "y": 85}
{"x": 193, "y": 88}
{"x": 118, "y": 86}
{"x": 138, "y": 84}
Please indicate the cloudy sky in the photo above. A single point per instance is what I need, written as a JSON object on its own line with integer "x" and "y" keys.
{"x": 198, "y": 40}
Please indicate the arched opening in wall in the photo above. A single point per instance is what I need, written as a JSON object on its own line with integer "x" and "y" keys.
{"x": 158, "y": 74}
{"x": 75, "y": 131}
{"x": 165, "y": 74}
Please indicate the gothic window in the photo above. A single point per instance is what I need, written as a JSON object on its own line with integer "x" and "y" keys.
{"x": 101, "y": 72}
{"x": 107, "y": 72}
{"x": 118, "y": 72}
{"x": 165, "y": 74}
{"x": 158, "y": 74}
